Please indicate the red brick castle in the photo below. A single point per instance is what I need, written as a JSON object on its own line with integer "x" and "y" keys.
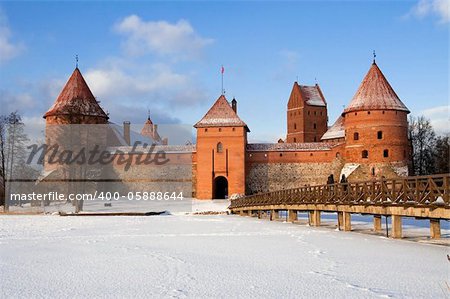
{"x": 368, "y": 140}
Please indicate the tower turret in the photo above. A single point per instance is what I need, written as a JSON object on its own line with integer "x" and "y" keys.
{"x": 306, "y": 114}
{"x": 376, "y": 127}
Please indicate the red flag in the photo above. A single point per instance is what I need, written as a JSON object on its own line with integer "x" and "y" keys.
{"x": 222, "y": 70}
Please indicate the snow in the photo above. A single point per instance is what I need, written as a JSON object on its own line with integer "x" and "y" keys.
{"x": 209, "y": 256}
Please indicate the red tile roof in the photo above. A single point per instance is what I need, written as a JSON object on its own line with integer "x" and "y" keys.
{"x": 221, "y": 115}
{"x": 337, "y": 130}
{"x": 76, "y": 98}
{"x": 375, "y": 93}
{"x": 285, "y": 147}
{"x": 312, "y": 95}
{"x": 303, "y": 94}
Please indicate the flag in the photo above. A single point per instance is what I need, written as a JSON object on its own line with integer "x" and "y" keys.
{"x": 222, "y": 70}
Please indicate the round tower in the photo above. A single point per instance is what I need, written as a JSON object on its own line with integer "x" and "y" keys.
{"x": 376, "y": 128}
{"x": 74, "y": 125}
{"x": 76, "y": 104}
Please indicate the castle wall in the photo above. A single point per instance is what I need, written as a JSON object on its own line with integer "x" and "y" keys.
{"x": 175, "y": 175}
{"x": 276, "y": 170}
{"x": 265, "y": 177}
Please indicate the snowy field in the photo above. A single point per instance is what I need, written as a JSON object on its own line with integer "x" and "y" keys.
{"x": 209, "y": 256}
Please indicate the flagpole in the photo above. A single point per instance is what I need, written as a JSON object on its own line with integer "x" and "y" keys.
{"x": 221, "y": 70}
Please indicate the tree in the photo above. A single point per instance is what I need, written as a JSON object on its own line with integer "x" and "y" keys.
{"x": 423, "y": 140}
{"x": 13, "y": 141}
{"x": 3, "y": 125}
{"x": 442, "y": 155}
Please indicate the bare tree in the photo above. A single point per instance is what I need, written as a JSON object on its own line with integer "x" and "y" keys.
{"x": 442, "y": 155}
{"x": 13, "y": 142}
{"x": 423, "y": 140}
{"x": 3, "y": 124}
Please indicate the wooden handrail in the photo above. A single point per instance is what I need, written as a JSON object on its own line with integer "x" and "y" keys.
{"x": 417, "y": 190}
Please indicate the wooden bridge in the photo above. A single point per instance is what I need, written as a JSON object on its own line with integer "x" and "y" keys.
{"x": 424, "y": 197}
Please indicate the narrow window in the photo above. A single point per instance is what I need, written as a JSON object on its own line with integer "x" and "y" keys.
{"x": 309, "y": 113}
{"x": 295, "y": 139}
{"x": 315, "y": 126}
{"x": 373, "y": 171}
{"x": 386, "y": 153}
{"x": 365, "y": 154}
{"x": 219, "y": 147}
{"x": 206, "y": 130}
{"x": 356, "y": 136}
{"x": 315, "y": 138}
{"x": 368, "y": 112}
{"x": 315, "y": 112}
{"x": 380, "y": 134}
{"x": 295, "y": 126}
{"x": 220, "y": 129}
{"x": 281, "y": 155}
{"x": 234, "y": 129}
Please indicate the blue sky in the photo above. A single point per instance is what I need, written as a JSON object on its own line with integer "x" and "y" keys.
{"x": 166, "y": 56}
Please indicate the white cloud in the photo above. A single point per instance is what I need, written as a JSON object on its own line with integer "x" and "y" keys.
{"x": 439, "y": 118}
{"x": 16, "y": 102}
{"x": 178, "y": 40}
{"x": 8, "y": 49}
{"x": 158, "y": 84}
{"x": 424, "y": 8}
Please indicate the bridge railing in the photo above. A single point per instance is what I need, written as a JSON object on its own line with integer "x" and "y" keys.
{"x": 408, "y": 191}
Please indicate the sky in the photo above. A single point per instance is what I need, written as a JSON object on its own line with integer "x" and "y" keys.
{"x": 166, "y": 57}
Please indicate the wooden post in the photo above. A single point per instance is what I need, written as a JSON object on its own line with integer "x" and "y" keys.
{"x": 396, "y": 226}
{"x": 377, "y": 223}
{"x": 347, "y": 219}
{"x": 274, "y": 215}
{"x": 340, "y": 220}
{"x": 435, "y": 228}
{"x": 314, "y": 218}
{"x": 292, "y": 215}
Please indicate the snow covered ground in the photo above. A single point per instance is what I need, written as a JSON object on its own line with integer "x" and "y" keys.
{"x": 209, "y": 256}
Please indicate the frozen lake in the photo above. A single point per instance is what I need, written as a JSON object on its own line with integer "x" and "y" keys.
{"x": 209, "y": 256}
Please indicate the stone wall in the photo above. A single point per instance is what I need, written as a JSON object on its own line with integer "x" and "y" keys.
{"x": 265, "y": 177}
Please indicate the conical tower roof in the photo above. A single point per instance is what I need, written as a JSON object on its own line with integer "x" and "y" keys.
{"x": 221, "y": 115}
{"x": 375, "y": 93}
{"x": 76, "y": 99}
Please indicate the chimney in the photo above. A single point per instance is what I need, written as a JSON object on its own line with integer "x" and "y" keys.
{"x": 234, "y": 105}
{"x": 126, "y": 132}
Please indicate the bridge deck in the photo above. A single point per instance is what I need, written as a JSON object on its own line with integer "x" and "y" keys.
{"x": 422, "y": 197}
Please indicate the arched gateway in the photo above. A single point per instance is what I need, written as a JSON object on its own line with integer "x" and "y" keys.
{"x": 220, "y": 187}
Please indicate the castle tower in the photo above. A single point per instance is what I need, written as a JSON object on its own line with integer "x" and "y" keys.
{"x": 221, "y": 146}
{"x": 76, "y": 104}
{"x": 376, "y": 127}
{"x": 306, "y": 114}
{"x": 76, "y": 124}
{"x": 151, "y": 130}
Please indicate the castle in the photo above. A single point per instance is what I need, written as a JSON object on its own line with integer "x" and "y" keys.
{"x": 368, "y": 140}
